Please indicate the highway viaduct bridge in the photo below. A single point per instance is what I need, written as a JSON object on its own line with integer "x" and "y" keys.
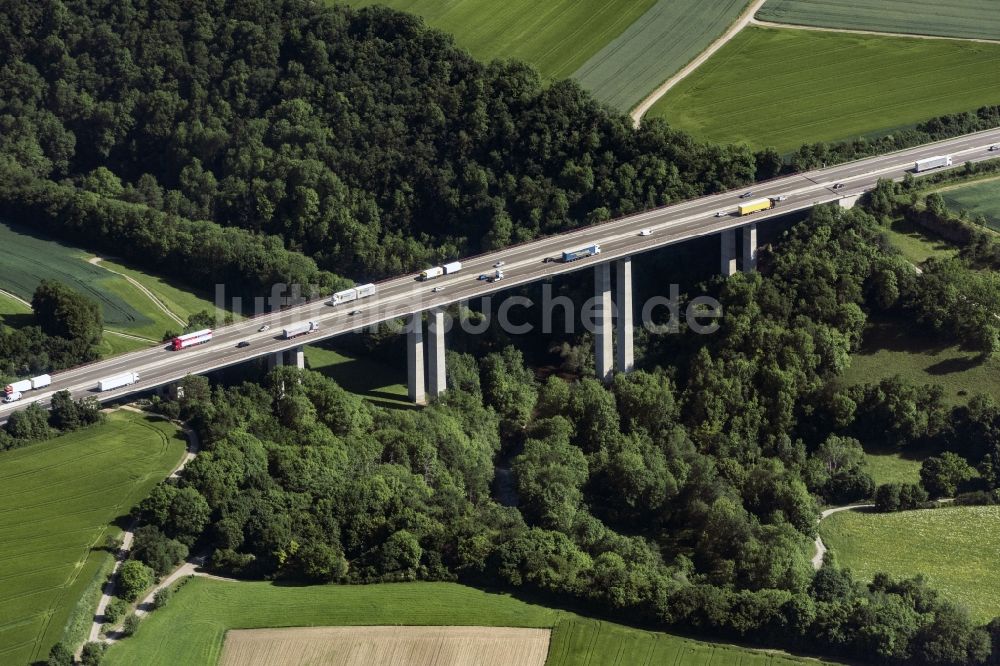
{"x": 620, "y": 239}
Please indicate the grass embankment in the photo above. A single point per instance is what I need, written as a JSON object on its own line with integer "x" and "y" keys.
{"x": 892, "y": 348}
{"x": 918, "y": 245}
{"x": 13, "y": 312}
{"x": 203, "y": 610}
{"x": 955, "y": 547}
{"x": 28, "y": 259}
{"x": 973, "y": 19}
{"x": 557, "y": 36}
{"x": 378, "y": 382}
{"x": 58, "y": 501}
{"x": 786, "y": 87}
{"x": 655, "y": 47}
{"x": 981, "y": 197}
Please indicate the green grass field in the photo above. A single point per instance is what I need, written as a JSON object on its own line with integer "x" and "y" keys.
{"x": 126, "y": 309}
{"x": 955, "y": 547}
{"x": 784, "y": 87}
{"x": 981, "y": 197}
{"x": 203, "y": 609}
{"x": 381, "y": 383}
{"x": 891, "y": 348}
{"x": 893, "y": 466}
{"x": 653, "y": 48}
{"x": 58, "y": 501}
{"x": 557, "y": 36}
{"x": 917, "y": 244}
{"x": 978, "y": 19}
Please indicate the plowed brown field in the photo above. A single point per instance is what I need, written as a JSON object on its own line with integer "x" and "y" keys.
{"x": 386, "y": 646}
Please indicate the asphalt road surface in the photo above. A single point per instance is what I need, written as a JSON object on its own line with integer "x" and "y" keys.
{"x": 528, "y": 262}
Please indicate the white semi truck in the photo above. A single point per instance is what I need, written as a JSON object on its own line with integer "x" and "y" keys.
{"x": 118, "y": 381}
{"x": 438, "y": 271}
{"x": 353, "y": 294}
{"x": 298, "y": 329}
{"x": 14, "y": 390}
{"x": 932, "y": 163}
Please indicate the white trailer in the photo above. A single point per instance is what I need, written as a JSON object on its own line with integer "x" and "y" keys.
{"x": 41, "y": 381}
{"x": 298, "y": 329}
{"x": 352, "y": 294}
{"x": 118, "y": 381}
{"x": 932, "y": 163}
{"x": 452, "y": 267}
{"x": 431, "y": 273}
{"x": 18, "y": 387}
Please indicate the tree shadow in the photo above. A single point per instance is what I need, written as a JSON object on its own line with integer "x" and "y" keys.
{"x": 951, "y": 365}
{"x": 19, "y": 320}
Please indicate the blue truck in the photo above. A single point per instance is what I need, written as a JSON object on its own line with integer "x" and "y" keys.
{"x": 582, "y": 253}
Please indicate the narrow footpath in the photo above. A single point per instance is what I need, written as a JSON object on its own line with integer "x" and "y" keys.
{"x": 129, "y": 535}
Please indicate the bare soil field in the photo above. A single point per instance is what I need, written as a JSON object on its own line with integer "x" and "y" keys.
{"x": 386, "y": 646}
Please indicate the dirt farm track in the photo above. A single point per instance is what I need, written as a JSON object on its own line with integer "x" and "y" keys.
{"x": 386, "y": 646}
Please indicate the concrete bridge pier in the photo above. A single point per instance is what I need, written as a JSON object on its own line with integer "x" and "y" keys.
{"x": 415, "y": 359}
{"x": 435, "y": 359}
{"x": 728, "y": 251}
{"x": 603, "y": 341}
{"x": 299, "y": 354}
{"x": 623, "y": 301}
{"x": 750, "y": 247}
{"x": 275, "y": 360}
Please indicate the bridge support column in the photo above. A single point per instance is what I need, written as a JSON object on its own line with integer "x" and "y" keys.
{"x": 300, "y": 357}
{"x": 603, "y": 342}
{"x": 623, "y": 301}
{"x": 728, "y": 252}
{"x": 750, "y": 248}
{"x": 435, "y": 353}
{"x": 415, "y": 359}
{"x": 275, "y": 360}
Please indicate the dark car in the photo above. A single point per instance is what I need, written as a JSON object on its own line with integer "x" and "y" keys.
{"x": 242, "y": 343}
{"x": 746, "y": 195}
{"x": 837, "y": 186}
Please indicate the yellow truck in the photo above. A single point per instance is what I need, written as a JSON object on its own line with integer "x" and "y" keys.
{"x": 756, "y": 206}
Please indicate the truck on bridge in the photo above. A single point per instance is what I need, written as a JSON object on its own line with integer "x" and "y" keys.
{"x": 191, "y": 339}
{"x": 582, "y": 253}
{"x": 301, "y": 328}
{"x": 118, "y": 381}
{"x": 438, "y": 271}
{"x": 353, "y": 294}
{"x": 755, "y": 206}
{"x": 932, "y": 163}
{"x": 13, "y": 391}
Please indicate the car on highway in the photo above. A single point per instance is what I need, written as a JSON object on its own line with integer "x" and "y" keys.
{"x": 721, "y": 213}
{"x": 646, "y": 232}
{"x": 437, "y": 289}
{"x": 483, "y": 276}
{"x": 781, "y": 197}
{"x": 263, "y": 328}
{"x": 746, "y": 195}
{"x": 242, "y": 343}
{"x": 499, "y": 264}
{"x": 354, "y": 312}
{"x": 837, "y": 186}
{"x": 995, "y": 146}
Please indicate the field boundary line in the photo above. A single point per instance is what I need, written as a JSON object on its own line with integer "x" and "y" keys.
{"x": 741, "y": 22}
{"x": 877, "y": 33}
{"x": 96, "y": 261}
{"x": 16, "y": 298}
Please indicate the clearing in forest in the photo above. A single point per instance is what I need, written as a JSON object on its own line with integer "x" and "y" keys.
{"x": 386, "y": 646}
{"x": 981, "y": 197}
{"x": 954, "y": 547}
